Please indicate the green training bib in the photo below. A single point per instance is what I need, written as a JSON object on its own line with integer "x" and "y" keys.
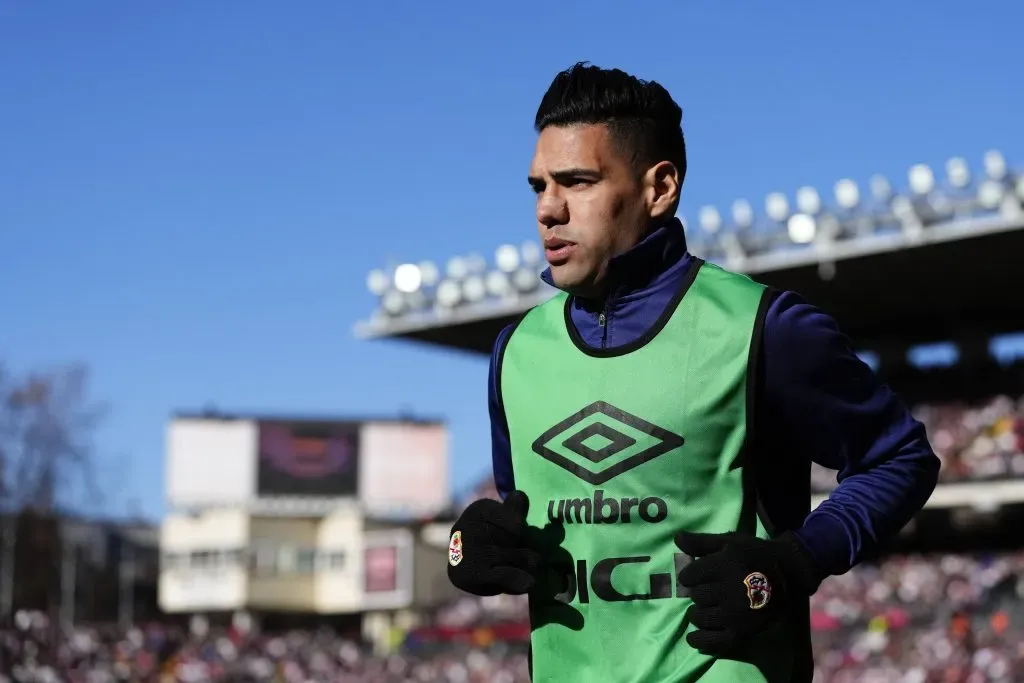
{"x": 618, "y": 450}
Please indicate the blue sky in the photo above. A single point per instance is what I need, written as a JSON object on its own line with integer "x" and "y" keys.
{"x": 192, "y": 193}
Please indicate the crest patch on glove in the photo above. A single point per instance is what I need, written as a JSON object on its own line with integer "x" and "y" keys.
{"x": 759, "y": 590}
{"x": 455, "y": 549}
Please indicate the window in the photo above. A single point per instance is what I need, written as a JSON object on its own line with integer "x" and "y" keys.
{"x": 305, "y": 561}
{"x": 286, "y": 559}
{"x": 335, "y": 560}
{"x": 173, "y": 560}
{"x": 202, "y": 559}
{"x": 263, "y": 559}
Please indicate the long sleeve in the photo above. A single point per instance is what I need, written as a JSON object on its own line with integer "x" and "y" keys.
{"x": 501, "y": 444}
{"x": 821, "y": 403}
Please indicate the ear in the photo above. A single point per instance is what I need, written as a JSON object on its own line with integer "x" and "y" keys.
{"x": 662, "y": 185}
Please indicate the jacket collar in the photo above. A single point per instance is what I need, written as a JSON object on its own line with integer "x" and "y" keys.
{"x": 638, "y": 268}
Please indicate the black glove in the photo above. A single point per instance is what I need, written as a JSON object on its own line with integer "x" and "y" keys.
{"x": 740, "y": 586}
{"x": 487, "y": 550}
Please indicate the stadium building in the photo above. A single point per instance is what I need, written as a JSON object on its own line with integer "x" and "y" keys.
{"x": 928, "y": 285}
{"x": 279, "y": 522}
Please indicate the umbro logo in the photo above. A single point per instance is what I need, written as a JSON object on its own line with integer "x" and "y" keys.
{"x": 601, "y": 442}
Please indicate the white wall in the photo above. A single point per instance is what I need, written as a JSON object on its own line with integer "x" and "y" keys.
{"x": 210, "y": 462}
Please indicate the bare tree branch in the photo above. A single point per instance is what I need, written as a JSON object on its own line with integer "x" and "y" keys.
{"x": 47, "y": 422}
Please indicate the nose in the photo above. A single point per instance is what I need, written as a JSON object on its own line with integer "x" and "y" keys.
{"x": 552, "y": 210}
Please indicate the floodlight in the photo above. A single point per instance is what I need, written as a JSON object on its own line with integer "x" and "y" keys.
{"x": 476, "y": 264}
{"x": 408, "y": 278}
{"x": 903, "y": 210}
{"x": 497, "y": 283}
{"x": 808, "y": 201}
{"x": 847, "y": 194}
{"x": 474, "y": 289}
{"x": 801, "y": 228}
{"x": 393, "y": 302}
{"x": 378, "y": 282}
{"x": 506, "y": 258}
{"x": 995, "y": 165}
{"x": 530, "y": 252}
{"x": 990, "y": 194}
{"x": 828, "y": 227}
{"x": 457, "y": 268}
{"x": 742, "y": 214}
{"x": 777, "y": 207}
{"x": 881, "y": 189}
{"x": 958, "y": 173}
{"x": 941, "y": 204}
{"x": 449, "y": 293}
{"x": 524, "y": 280}
{"x": 416, "y": 300}
{"x": 1010, "y": 208}
{"x": 710, "y": 219}
{"x": 921, "y": 178}
{"x": 429, "y": 273}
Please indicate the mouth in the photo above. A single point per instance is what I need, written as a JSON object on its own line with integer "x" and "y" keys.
{"x": 558, "y": 251}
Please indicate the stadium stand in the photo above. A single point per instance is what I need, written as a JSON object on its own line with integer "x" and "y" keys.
{"x": 974, "y": 442}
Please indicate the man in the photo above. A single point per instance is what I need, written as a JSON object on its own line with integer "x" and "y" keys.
{"x": 654, "y": 423}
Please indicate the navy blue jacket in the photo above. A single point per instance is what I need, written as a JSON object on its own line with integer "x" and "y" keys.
{"x": 815, "y": 400}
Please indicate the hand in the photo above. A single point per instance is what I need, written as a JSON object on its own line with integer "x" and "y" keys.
{"x": 740, "y": 585}
{"x": 487, "y": 550}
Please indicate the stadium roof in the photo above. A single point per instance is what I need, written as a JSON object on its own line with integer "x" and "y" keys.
{"x": 896, "y": 270}
{"x": 901, "y": 265}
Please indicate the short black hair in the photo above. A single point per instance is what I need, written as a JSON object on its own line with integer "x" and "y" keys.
{"x": 641, "y": 115}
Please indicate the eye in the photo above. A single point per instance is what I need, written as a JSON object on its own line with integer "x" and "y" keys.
{"x": 577, "y": 183}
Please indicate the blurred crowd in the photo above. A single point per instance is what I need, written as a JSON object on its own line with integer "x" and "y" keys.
{"x": 921, "y": 619}
{"x": 926, "y": 619}
{"x": 978, "y": 442}
{"x": 29, "y": 653}
{"x": 974, "y": 442}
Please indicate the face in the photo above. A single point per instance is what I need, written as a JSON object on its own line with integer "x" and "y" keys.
{"x": 592, "y": 203}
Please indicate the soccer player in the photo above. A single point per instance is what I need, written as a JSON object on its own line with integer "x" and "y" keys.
{"x": 654, "y": 423}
